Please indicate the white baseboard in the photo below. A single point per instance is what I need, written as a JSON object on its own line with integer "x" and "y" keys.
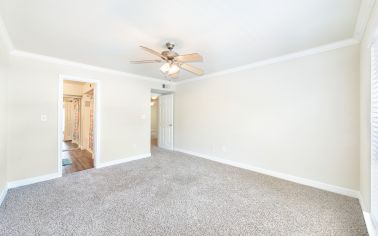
{"x": 3, "y": 194}
{"x": 33, "y": 180}
{"x": 372, "y": 230}
{"x": 23, "y": 182}
{"x": 120, "y": 161}
{"x": 367, "y": 217}
{"x": 292, "y": 178}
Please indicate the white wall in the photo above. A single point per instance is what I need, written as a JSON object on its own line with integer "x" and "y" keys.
{"x": 33, "y": 89}
{"x": 3, "y": 106}
{"x": 298, "y": 117}
{"x": 365, "y": 86}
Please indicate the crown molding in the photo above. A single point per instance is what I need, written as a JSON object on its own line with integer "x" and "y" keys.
{"x": 58, "y": 61}
{"x": 287, "y": 57}
{"x": 365, "y": 11}
{"x": 5, "y": 36}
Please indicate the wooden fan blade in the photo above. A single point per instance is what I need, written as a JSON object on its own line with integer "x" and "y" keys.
{"x": 154, "y": 52}
{"x": 191, "y": 69}
{"x": 189, "y": 57}
{"x": 146, "y": 61}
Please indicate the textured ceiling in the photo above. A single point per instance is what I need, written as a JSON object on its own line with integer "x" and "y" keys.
{"x": 227, "y": 33}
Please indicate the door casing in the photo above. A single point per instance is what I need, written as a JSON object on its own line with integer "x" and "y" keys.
{"x": 96, "y": 122}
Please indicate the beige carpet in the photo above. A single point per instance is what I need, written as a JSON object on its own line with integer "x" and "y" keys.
{"x": 176, "y": 194}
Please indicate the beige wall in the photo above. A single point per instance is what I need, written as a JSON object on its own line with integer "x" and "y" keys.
{"x": 33, "y": 89}
{"x": 365, "y": 87}
{"x": 73, "y": 88}
{"x": 87, "y": 87}
{"x": 3, "y": 107}
{"x": 298, "y": 117}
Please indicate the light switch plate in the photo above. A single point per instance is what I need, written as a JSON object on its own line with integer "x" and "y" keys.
{"x": 43, "y": 117}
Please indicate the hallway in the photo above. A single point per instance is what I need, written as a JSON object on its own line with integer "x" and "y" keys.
{"x": 81, "y": 159}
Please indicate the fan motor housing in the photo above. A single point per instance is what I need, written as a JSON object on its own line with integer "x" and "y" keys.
{"x": 169, "y": 54}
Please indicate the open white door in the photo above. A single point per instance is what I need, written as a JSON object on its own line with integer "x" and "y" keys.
{"x": 166, "y": 121}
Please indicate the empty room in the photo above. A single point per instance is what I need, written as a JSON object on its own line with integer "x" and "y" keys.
{"x": 125, "y": 117}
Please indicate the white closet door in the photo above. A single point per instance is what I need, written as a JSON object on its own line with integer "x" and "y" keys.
{"x": 166, "y": 121}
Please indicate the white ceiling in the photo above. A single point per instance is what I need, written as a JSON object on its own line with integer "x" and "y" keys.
{"x": 228, "y": 34}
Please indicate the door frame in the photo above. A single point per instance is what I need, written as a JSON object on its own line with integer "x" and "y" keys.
{"x": 96, "y": 118}
{"x": 373, "y": 46}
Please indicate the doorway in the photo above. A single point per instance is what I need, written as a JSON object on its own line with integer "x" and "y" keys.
{"x": 154, "y": 119}
{"x": 78, "y": 118}
{"x": 162, "y": 125}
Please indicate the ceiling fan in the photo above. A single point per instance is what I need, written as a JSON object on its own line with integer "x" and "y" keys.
{"x": 173, "y": 61}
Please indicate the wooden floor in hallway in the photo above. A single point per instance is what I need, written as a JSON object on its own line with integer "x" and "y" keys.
{"x": 154, "y": 142}
{"x": 81, "y": 159}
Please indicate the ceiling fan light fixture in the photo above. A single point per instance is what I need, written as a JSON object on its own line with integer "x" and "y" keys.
{"x": 164, "y": 68}
{"x": 173, "y": 69}
{"x": 169, "y": 68}
{"x": 174, "y": 62}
